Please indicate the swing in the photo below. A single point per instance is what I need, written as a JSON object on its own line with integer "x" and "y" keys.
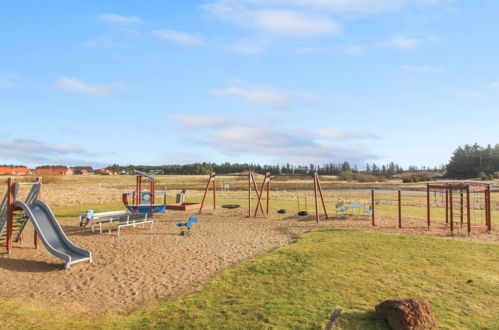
{"x": 280, "y": 211}
{"x": 228, "y": 206}
{"x": 303, "y": 212}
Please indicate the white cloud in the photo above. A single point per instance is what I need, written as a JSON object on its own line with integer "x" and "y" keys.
{"x": 339, "y": 134}
{"x": 294, "y": 24}
{"x": 494, "y": 85}
{"x": 273, "y": 97}
{"x": 282, "y": 145}
{"x": 78, "y": 86}
{"x": 6, "y": 83}
{"x": 404, "y": 43}
{"x": 119, "y": 19}
{"x": 354, "y": 50}
{"x": 280, "y": 22}
{"x": 237, "y": 137}
{"x": 181, "y": 37}
{"x": 421, "y": 68}
{"x": 203, "y": 121}
{"x": 102, "y": 42}
{"x": 28, "y": 150}
{"x": 249, "y": 46}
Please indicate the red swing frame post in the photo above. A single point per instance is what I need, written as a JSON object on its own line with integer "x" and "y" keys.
{"x": 211, "y": 179}
{"x": 318, "y": 190}
{"x": 265, "y": 184}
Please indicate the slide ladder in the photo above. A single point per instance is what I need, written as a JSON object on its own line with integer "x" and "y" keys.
{"x": 20, "y": 219}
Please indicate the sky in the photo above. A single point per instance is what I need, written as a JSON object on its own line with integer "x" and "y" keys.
{"x": 259, "y": 81}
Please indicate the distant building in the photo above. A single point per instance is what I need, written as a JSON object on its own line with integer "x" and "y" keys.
{"x": 5, "y": 170}
{"x": 54, "y": 171}
{"x": 105, "y": 171}
{"x": 81, "y": 172}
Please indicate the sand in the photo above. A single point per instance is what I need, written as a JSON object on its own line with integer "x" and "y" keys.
{"x": 144, "y": 265}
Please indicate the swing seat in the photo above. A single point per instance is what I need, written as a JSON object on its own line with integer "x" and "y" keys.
{"x": 282, "y": 211}
{"x": 231, "y": 206}
{"x": 302, "y": 213}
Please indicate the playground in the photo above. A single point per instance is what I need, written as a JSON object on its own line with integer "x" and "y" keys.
{"x": 145, "y": 266}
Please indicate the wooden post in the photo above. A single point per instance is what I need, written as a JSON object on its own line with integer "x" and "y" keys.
{"x": 36, "y": 237}
{"x": 468, "y": 209}
{"x": 249, "y": 195}
{"x": 260, "y": 195}
{"x": 400, "y": 208}
{"x": 256, "y": 191}
{"x": 206, "y": 192}
{"x": 446, "y": 207}
{"x": 428, "y": 206}
{"x": 214, "y": 192}
{"x": 461, "y": 206}
{"x": 315, "y": 198}
{"x": 322, "y": 197}
{"x": 10, "y": 214}
{"x": 372, "y": 207}
{"x": 268, "y": 193}
{"x": 450, "y": 206}
{"x": 487, "y": 209}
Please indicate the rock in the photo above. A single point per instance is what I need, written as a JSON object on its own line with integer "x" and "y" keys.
{"x": 407, "y": 314}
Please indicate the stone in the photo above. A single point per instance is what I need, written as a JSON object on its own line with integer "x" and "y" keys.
{"x": 407, "y": 314}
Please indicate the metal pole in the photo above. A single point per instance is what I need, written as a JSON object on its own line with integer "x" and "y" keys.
{"x": 400, "y": 208}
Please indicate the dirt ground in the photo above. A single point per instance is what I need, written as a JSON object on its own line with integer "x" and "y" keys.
{"x": 143, "y": 265}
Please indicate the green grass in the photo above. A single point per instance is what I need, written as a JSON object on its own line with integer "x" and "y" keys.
{"x": 298, "y": 286}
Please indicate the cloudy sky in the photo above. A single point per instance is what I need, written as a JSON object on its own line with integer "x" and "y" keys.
{"x": 269, "y": 81}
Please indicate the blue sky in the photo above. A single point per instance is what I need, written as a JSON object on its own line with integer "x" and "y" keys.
{"x": 275, "y": 81}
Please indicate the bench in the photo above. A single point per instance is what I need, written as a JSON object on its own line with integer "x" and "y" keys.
{"x": 125, "y": 220}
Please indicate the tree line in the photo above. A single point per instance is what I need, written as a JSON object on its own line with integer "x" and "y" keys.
{"x": 468, "y": 161}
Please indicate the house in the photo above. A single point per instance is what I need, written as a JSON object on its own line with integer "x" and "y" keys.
{"x": 105, "y": 171}
{"x": 81, "y": 172}
{"x": 54, "y": 171}
{"x": 6, "y": 170}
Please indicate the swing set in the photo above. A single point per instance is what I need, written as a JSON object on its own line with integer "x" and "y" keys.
{"x": 456, "y": 198}
{"x": 262, "y": 192}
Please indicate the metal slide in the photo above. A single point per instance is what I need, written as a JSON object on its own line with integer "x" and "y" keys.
{"x": 52, "y": 235}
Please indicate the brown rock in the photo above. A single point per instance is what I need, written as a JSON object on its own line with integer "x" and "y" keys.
{"x": 407, "y": 314}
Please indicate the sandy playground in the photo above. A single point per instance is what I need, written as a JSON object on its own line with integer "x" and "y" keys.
{"x": 143, "y": 265}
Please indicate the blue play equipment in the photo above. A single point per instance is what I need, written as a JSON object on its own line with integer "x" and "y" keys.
{"x": 185, "y": 227}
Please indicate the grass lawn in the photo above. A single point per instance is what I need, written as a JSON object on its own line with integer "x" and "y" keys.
{"x": 298, "y": 286}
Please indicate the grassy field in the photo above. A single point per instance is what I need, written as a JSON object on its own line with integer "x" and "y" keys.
{"x": 298, "y": 286}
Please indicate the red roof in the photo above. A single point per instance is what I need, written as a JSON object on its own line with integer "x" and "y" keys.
{"x": 10, "y": 170}
{"x": 52, "y": 170}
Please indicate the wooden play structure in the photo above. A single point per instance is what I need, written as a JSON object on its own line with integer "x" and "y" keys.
{"x": 15, "y": 215}
{"x": 459, "y": 205}
{"x": 145, "y": 201}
